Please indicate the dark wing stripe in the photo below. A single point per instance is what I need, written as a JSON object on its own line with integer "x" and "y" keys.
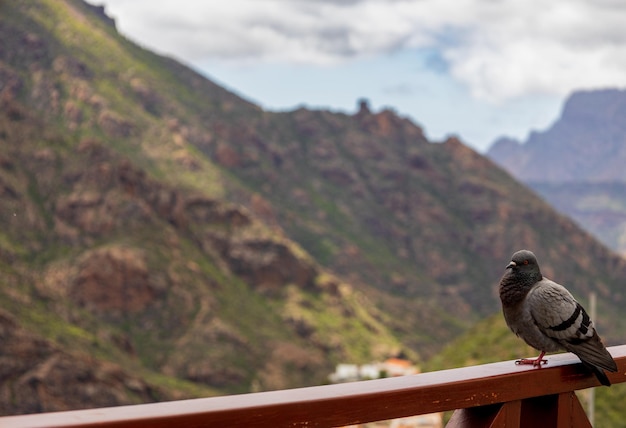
{"x": 584, "y": 325}
{"x": 570, "y": 321}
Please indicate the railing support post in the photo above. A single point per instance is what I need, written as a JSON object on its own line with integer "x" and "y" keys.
{"x": 492, "y": 416}
{"x": 550, "y": 411}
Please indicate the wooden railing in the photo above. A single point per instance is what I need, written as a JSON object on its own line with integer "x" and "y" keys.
{"x": 491, "y": 395}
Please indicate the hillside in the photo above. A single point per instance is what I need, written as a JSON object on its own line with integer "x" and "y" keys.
{"x": 119, "y": 246}
{"x": 578, "y": 163}
{"x": 103, "y": 258}
{"x": 600, "y": 208}
{"x": 162, "y": 226}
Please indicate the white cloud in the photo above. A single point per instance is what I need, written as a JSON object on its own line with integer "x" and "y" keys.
{"x": 500, "y": 49}
{"x": 317, "y": 33}
{"x": 543, "y": 47}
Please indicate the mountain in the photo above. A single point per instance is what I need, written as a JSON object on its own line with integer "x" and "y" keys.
{"x": 586, "y": 144}
{"x": 120, "y": 245}
{"x": 166, "y": 233}
{"x": 577, "y": 164}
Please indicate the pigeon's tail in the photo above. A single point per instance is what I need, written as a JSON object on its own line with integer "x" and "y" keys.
{"x": 593, "y": 355}
{"x": 599, "y": 373}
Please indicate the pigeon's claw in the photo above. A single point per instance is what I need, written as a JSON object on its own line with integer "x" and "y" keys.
{"x": 537, "y": 362}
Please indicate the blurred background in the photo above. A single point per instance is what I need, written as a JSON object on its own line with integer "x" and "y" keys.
{"x": 207, "y": 198}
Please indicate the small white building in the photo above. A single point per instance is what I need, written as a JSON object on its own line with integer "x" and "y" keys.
{"x": 345, "y": 373}
{"x": 388, "y": 368}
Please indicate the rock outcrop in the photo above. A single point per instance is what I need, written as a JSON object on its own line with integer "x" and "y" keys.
{"x": 38, "y": 376}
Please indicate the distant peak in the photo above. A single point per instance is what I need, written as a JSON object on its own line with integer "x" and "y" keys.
{"x": 506, "y": 151}
{"x": 101, "y": 13}
{"x": 364, "y": 107}
{"x": 505, "y": 143}
{"x": 584, "y": 144}
{"x": 597, "y": 104}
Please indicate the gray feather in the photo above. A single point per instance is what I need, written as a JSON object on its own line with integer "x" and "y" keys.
{"x": 547, "y": 317}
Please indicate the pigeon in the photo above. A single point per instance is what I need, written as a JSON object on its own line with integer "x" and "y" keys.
{"x": 547, "y": 317}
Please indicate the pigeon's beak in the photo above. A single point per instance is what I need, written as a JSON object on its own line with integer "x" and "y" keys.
{"x": 511, "y": 265}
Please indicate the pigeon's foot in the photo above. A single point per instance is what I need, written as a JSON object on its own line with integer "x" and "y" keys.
{"x": 537, "y": 362}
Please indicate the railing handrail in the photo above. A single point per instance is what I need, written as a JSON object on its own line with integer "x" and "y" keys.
{"x": 347, "y": 403}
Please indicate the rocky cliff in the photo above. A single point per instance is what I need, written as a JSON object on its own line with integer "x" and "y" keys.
{"x": 586, "y": 144}
{"x": 578, "y": 163}
{"x": 39, "y": 376}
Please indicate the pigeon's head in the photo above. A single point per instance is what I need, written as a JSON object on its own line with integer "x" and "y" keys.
{"x": 525, "y": 263}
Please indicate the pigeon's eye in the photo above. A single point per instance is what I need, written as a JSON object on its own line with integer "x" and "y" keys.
{"x": 525, "y": 262}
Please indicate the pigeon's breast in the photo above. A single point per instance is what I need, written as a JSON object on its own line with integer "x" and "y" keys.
{"x": 521, "y": 322}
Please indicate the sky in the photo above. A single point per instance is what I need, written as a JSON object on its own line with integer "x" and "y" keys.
{"x": 476, "y": 69}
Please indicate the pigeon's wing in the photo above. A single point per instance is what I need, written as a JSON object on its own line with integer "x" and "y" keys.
{"x": 564, "y": 320}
